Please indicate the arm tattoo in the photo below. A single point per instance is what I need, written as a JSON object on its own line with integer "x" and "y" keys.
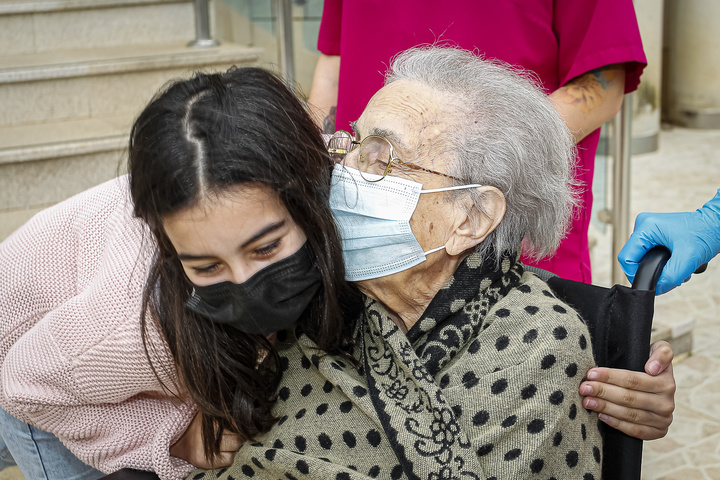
{"x": 587, "y": 90}
{"x": 329, "y": 121}
{"x": 603, "y": 76}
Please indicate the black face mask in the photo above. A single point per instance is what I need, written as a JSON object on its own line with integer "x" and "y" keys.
{"x": 271, "y": 300}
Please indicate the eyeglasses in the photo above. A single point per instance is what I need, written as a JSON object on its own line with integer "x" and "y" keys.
{"x": 376, "y": 155}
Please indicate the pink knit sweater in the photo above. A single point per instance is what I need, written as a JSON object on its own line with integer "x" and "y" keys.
{"x": 73, "y": 361}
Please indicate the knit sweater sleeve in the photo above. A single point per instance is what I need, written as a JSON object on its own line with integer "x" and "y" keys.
{"x": 73, "y": 360}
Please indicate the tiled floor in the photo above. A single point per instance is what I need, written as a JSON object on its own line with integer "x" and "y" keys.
{"x": 681, "y": 176}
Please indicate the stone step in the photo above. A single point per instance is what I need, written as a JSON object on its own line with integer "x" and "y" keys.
{"x": 43, "y": 164}
{"x": 29, "y": 143}
{"x": 66, "y": 123}
{"x": 9, "y": 7}
{"x": 98, "y": 82}
{"x": 54, "y": 25}
{"x": 673, "y": 324}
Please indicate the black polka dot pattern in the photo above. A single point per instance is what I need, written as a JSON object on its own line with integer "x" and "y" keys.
{"x": 536, "y": 426}
{"x": 374, "y": 438}
{"x": 530, "y": 336}
{"x": 284, "y": 394}
{"x": 485, "y": 449}
{"x": 560, "y": 333}
{"x": 325, "y": 441}
{"x": 547, "y": 362}
{"x": 481, "y": 418}
{"x": 515, "y": 410}
{"x": 302, "y": 467}
{"x": 499, "y": 386}
{"x": 502, "y": 342}
{"x": 572, "y": 458}
{"x": 512, "y": 454}
{"x": 470, "y": 380}
{"x": 248, "y": 471}
{"x": 305, "y": 362}
{"x": 528, "y": 392}
{"x": 349, "y": 439}
{"x": 557, "y": 397}
{"x": 509, "y": 421}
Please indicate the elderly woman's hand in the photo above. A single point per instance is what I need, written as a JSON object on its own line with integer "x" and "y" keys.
{"x": 636, "y": 403}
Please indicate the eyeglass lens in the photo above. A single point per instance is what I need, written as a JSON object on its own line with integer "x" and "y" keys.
{"x": 373, "y": 155}
{"x": 340, "y": 145}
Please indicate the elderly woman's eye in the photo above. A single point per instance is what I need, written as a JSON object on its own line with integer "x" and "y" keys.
{"x": 369, "y": 162}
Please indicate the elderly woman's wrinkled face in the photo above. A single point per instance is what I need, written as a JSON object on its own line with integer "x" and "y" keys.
{"x": 414, "y": 118}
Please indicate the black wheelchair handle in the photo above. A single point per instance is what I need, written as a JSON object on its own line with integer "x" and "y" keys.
{"x": 651, "y": 266}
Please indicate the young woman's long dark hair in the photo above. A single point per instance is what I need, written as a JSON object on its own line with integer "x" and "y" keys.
{"x": 197, "y": 138}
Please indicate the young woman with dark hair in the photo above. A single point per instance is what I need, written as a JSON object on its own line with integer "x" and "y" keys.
{"x": 227, "y": 238}
{"x": 214, "y": 143}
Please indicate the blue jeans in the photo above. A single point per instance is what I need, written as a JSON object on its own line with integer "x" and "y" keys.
{"x": 6, "y": 459}
{"x": 40, "y": 455}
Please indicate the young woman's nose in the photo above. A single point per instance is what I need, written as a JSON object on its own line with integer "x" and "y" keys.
{"x": 239, "y": 273}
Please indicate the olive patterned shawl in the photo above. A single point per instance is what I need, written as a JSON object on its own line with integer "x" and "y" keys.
{"x": 483, "y": 386}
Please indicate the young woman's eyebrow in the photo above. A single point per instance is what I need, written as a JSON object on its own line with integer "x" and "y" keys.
{"x": 268, "y": 229}
{"x": 187, "y": 256}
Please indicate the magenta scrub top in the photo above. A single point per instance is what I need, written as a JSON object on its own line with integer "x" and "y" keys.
{"x": 556, "y": 39}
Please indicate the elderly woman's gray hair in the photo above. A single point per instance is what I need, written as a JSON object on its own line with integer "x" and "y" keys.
{"x": 507, "y": 135}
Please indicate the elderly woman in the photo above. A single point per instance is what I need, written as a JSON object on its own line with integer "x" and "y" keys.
{"x": 466, "y": 366}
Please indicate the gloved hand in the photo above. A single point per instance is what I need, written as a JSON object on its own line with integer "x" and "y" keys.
{"x": 692, "y": 237}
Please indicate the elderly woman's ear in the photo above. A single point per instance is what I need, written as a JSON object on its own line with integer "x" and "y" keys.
{"x": 472, "y": 224}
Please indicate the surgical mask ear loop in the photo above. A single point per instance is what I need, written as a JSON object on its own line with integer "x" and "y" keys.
{"x": 433, "y": 250}
{"x": 447, "y": 189}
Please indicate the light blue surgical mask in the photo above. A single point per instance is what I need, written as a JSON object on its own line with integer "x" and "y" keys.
{"x": 374, "y": 223}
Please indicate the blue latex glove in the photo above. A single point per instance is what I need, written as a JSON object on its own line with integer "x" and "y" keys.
{"x": 692, "y": 237}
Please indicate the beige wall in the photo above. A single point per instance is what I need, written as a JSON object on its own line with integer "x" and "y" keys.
{"x": 646, "y": 100}
{"x": 692, "y": 62}
{"x": 231, "y": 24}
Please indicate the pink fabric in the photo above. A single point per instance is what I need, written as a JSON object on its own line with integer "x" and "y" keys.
{"x": 73, "y": 361}
{"x": 556, "y": 39}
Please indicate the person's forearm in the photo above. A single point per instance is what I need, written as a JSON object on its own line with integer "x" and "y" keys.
{"x": 588, "y": 101}
{"x": 324, "y": 92}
